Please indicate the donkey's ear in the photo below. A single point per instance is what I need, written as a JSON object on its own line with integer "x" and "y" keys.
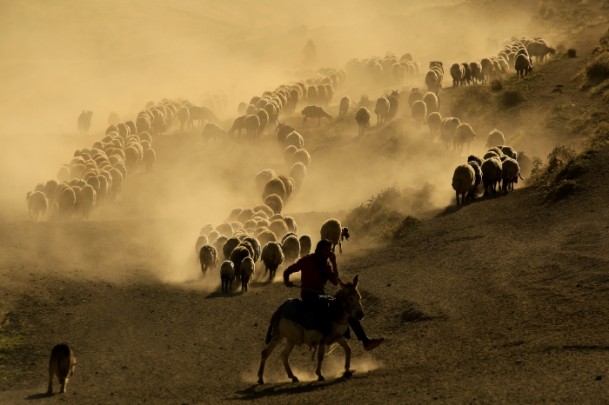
{"x": 355, "y": 280}
{"x": 341, "y": 283}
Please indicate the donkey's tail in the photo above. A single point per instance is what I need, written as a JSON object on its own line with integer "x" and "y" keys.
{"x": 273, "y": 324}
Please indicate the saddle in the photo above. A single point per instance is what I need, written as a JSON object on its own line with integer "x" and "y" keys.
{"x": 317, "y": 317}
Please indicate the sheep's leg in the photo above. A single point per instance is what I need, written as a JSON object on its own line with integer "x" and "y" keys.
{"x": 340, "y": 247}
{"x": 345, "y": 345}
{"x": 266, "y": 352}
{"x": 285, "y": 354}
{"x": 321, "y": 352}
{"x": 64, "y": 383}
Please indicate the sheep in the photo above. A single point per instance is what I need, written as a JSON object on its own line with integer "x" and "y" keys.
{"x": 263, "y": 116}
{"x": 418, "y": 111}
{"x": 291, "y": 248}
{"x": 272, "y": 257}
{"x": 237, "y": 255}
{"x": 464, "y": 134}
{"x": 212, "y": 131}
{"x": 263, "y": 177}
{"x": 345, "y": 104}
{"x": 362, "y": 116}
{"x": 66, "y": 200}
{"x": 491, "y": 174}
{"x": 487, "y": 69}
{"x": 84, "y": 122}
{"x": 432, "y": 82}
{"x": 431, "y": 101}
{"x": 251, "y": 124}
{"x": 265, "y": 209}
{"x": 279, "y": 227}
{"x": 227, "y": 275}
{"x": 457, "y": 72}
{"x": 475, "y": 164}
{"x": 202, "y": 239}
{"x": 289, "y": 184}
{"x": 539, "y": 49}
{"x": 255, "y": 245}
{"x": 300, "y": 155}
{"x": 434, "y": 122}
{"x": 298, "y": 171}
{"x": 415, "y": 94}
{"x": 248, "y": 268}
{"x": 149, "y": 158}
{"x": 237, "y": 126}
{"x": 331, "y": 229}
{"x": 37, "y": 203}
{"x": 207, "y": 257}
{"x": 509, "y": 151}
{"x": 294, "y": 138}
{"x": 305, "y": 245}
{"x": 225, "y": 229}
{"x": 274, "y": 186}
{"x": 282, "y": 132}
{"x": 314, "y": 111}
{"x": 265, "y": 235}
{"x": 509, "y": 173}
{"x": 288, "y": 152}
{"x": 381, "y": 110}
{"x": 275, "y": 202}
{"x": 463, "y": 181}
{"x": 476, "y": 72}
{"x": 229, "y": 246}
{"x": 394, "y": 103}
{"x": 495, "y": 137}
{"x": 86, "y": 200}
{"x": 523, "y": 65}
{"x": 448, "y": 129}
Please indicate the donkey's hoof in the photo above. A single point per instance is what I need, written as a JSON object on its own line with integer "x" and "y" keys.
{"x": 295, "y": 379}
{"x": 321, "y": 378}
{"x": 260, "y": 381}
{"x": 348, "y": 373}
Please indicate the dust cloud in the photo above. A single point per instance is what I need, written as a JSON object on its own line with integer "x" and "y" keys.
{"x": 60, "y": 58}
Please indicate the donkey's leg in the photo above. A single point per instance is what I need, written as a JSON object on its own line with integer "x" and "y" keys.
{"x": 284, "y": 357}
{"x": 321, "y": 352}
{"x": 266, "y": 352}
{"x": 345, "y": 345}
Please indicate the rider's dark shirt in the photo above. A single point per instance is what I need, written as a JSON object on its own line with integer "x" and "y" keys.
{"x": 314, "y": 274}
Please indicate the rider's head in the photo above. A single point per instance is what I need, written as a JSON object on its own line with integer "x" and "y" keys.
{"x": 324, "y": 247}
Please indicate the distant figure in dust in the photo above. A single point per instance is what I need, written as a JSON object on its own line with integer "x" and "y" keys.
{"x": 84, "y": 122}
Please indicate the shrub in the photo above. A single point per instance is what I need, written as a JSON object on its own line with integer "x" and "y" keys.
{"x": 571, "y": 53}
{"x": 598, "y": 70}
{"x": 496, "y": 85}
{"x": 510, "y": 99}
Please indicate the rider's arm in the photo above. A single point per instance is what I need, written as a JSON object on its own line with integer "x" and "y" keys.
{"x": 286, "y": 273}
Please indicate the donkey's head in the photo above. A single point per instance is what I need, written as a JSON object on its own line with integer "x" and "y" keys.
{"x": 351, "y": 298}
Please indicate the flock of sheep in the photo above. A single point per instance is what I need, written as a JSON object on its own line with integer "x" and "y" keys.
{"x": 263, "y": 233}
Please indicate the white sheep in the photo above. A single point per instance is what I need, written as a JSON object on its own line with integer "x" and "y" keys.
{"x": 227, "y": 275}
{"x": 263, "y": 177}
{"x": 300, "y": 155}
{"x": 298, "y": 171}
{"x": 523, "y": 65}
{"x": 331, "y": 229}
{"x": 431, "y": 101}
{"x": 272, "y": 257}
{"x": 463, "y": 181}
